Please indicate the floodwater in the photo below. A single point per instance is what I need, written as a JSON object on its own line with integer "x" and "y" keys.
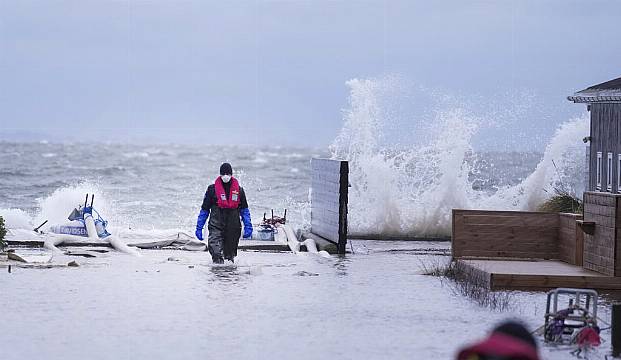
{"x": 167, "y": 304}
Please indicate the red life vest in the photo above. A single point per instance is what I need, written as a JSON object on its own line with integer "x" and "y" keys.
{"x": 224, "y": 201}
{"x": 501, "y": 345}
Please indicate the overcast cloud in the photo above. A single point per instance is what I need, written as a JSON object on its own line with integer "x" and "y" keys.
{"x": 260, "y": 72}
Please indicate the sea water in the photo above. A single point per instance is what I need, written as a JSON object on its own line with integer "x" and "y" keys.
{"x": 395, "y": 188}
{"x": 373, "y": 303}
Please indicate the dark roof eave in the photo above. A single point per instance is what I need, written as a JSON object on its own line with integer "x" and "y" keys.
{"x": 595, "y": 99}
{"x": 606, "y": 92}
{"x": 614, "y": 84}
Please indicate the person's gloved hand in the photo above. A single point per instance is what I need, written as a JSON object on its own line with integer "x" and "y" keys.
{"x": 200, "y": 223}
{"x": 245, "y": 215}
{"x": 247, "y": 232}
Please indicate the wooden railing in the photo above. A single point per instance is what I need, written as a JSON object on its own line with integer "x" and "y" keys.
{"x": 516, "y": 234}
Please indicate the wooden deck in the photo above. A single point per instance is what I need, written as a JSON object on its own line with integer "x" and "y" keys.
{"x": 539, "y": 274}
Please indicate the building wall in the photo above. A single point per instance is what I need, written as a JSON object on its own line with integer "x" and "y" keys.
{"x": 601, "y": 249}
{"x": 605, "y": 137}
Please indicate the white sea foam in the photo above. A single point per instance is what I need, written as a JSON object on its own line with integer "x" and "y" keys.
{"x": 56, "y": 207}
{"x": 412, "y": 191}
{"x": 131, "y": 155}
{"x": 16, "y": 219}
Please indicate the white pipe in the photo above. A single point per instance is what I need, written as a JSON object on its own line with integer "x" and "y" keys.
{"x": 116, "y": 242}
{"x": 294, "y": 244}
{"x": 120, "y": 245}
{"x": 324, "y": 253}
{"x": 290, "y": 233}
{"x": 311, "y": 247}
{"x": 292, "y": 240}
{"x": 91, "y": 230}
{"x": 52, "y": 240}
{"x": 280, "y": 236}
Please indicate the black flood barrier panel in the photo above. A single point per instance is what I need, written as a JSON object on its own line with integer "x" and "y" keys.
{"x": 329, "y": 191}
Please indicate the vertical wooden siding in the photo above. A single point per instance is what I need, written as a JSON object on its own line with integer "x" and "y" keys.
{"x": 514, "y": 234}
{"x": 605, "y": 137}
{"x": 616, "y": 249}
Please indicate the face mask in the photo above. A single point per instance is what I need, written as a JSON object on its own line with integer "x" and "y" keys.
{"x": 225, "y": 178}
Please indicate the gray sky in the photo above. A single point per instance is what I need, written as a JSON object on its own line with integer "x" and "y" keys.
{"x": 257, "y": 72}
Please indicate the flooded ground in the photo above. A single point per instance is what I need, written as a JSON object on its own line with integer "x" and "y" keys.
{"x": 373, "y": 304}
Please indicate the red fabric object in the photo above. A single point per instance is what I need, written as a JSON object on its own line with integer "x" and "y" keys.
{"x": 498, "y": 344}
{"x": 588, "y": 337}
{"x": 232, "y": 200}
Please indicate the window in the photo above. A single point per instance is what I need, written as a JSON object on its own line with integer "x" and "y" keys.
{"x": 609, "y": 172}
{"x": 619, "y": 173}
{"x": 599, "y": 171}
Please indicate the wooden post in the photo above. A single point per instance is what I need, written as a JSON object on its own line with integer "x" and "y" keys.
{"x": 616, "y": 330}
{"x": 343, "y": 202}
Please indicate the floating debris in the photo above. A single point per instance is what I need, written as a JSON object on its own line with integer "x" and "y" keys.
{"x": 13, "y": 256}
{"x": 33, "y": 259}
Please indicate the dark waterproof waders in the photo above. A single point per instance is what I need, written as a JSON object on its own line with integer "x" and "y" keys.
{"x": 224, "y": 232}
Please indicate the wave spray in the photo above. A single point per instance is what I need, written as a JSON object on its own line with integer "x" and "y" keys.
{"x": 410, "y": 191}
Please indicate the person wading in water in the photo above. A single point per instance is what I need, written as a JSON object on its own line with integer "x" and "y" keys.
{"x": 226, "y": 202}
